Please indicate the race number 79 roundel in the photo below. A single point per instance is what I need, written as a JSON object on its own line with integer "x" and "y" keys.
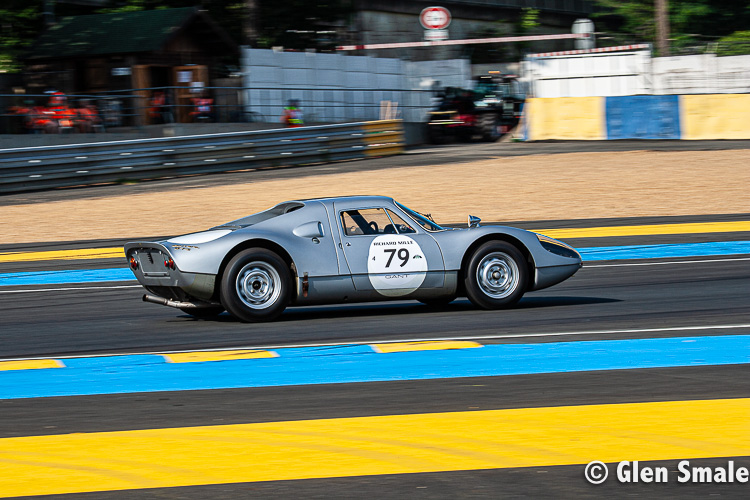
{"x": 435, "y": 18}
{"x": 396, "y": 265}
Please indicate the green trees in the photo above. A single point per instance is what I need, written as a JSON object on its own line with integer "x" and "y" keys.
{"x": 296, "y": 24}
{"x": 691, "y": 22}
{"x": 20, "y": 22}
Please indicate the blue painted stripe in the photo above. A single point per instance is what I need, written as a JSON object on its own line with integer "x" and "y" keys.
{"x": 664, "y": 251}
{"x": 331, "y": 366}
{"x": 66, "y": 277}
{"x": 588, "y": 254}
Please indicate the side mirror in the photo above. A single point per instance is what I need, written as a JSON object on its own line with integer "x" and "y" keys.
{"x": 474, "y": 221}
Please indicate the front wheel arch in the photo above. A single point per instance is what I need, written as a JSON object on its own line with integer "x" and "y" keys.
{"x": 530, "y": 265}
{"x": 496, "y": 277}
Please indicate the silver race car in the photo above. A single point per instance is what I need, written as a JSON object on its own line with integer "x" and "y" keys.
{"x": 339, "y": 250}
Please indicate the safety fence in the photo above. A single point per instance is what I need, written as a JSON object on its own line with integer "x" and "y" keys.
{"x": 692, "y": 117}
{"x": 135, "y": 108}
{"x": 46, "y": 167}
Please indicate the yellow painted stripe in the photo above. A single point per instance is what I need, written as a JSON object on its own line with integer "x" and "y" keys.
{"x": 433, "y": 442}
{"x": 424, "y": 346}
{"x": 647, "y": 230}
{"x": 85, "y": 253}
{"x": 203, "y": 356}
{"x": 30, "y": 364}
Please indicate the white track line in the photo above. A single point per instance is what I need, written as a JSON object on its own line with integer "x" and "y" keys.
{"x": 587, "y": 266}
{"x": 424, "y": 339}
{"x": 514, "y": 335}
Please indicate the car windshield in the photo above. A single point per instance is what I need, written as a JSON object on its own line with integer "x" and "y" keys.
{"x": 281, "y": 209}
{"x": 423, "y": 220}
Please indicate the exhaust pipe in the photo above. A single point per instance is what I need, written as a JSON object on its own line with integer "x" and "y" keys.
{"x": 174, "y": 303}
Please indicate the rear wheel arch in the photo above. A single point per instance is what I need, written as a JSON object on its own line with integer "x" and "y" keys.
{"x": 254, "y": 243}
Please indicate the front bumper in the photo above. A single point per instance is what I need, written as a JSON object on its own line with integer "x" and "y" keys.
{"x": 552, "y": 275}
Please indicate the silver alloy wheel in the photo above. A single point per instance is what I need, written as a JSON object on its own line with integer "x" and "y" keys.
{"x": 258, "y": 285}
{"x": 497, "y": 275}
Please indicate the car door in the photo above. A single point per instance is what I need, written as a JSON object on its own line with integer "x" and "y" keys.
{"x": 386, "y": 254}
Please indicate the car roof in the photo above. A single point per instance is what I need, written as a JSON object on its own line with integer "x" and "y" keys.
{"x": 349, "y": 199}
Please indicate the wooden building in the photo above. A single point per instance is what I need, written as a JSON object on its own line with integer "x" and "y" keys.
{"x": 107, "y": 53}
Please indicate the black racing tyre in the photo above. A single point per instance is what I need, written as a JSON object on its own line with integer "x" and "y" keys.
{"x": 488, "y": 127}
{"x": 256, "y": 285}
{"x": 496, "y": 275}
{"x": 203, "y": 312}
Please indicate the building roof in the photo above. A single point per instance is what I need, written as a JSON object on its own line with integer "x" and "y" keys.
{"x": 123, "y": 33}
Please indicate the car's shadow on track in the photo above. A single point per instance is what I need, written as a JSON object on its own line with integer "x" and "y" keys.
{"x": 407, "y": 308}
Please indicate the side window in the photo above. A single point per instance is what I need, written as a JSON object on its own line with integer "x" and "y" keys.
{"x": 368, "y": 221}
{"x": 401, "y": 225}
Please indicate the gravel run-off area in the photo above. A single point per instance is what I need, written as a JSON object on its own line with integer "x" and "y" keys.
{"x": 538, "y": 187}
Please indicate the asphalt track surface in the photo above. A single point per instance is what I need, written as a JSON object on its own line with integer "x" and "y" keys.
{"x": 610, "y": 300}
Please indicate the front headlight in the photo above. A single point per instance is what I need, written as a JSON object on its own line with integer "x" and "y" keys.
{"x": 557, "y": 247}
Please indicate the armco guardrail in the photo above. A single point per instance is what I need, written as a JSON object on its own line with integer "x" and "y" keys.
{"x": 46, "y": 167}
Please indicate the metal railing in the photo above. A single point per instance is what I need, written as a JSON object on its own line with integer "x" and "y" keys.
{"x": 47, "y": 167}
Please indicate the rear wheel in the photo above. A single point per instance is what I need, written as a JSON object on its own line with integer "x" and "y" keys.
{"x": 488, "y": 127}
{"x": 496, "y": 275}
{"x": 256, "y": 285}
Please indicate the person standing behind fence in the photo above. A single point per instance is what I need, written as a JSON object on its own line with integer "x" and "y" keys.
{"x": 292, "y": 116}
{"x": 159, "y": 110}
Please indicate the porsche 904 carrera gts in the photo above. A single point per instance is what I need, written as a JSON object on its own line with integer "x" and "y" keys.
{"x": 342, "y": 250}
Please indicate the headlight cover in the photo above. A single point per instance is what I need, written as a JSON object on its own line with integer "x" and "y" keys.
{"x": 558, "y": 247}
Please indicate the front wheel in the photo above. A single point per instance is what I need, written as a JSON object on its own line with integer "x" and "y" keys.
{"x": 256, "y": 285}
{"x": 496, "y": 275}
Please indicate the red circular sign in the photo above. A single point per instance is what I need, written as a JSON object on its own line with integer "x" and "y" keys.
{"x": 435, "y": 18}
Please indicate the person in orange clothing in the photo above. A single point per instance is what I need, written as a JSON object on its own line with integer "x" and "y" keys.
{"x": 159, "y": 111}
{"x": 58, "y": 116}
{"x": 292, "y": 116}
{"x": 87, "y": 118}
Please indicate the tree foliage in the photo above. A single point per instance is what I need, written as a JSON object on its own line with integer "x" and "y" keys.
{"x": 690, "y": 21}
{"x": 738, "y": 43}
{"x": 20, "y": 23}
{"x": 296, "y": 24}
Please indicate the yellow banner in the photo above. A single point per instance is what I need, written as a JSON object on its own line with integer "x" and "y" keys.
{"x": 724, "y": 116}
{"x": 570, "y": 118}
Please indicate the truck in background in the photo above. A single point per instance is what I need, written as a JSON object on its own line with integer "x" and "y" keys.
{"x": 490, "y": 109}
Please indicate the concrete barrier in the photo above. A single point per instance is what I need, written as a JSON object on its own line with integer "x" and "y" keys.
{"x": 566, "y": 118}
{"x": 720, "y": 116}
